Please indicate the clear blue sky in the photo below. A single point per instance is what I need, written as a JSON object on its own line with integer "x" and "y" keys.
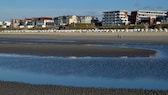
{"x": 34, "y": 8}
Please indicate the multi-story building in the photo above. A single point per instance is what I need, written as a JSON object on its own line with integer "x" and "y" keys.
{"x": 161, "y": 20}
{"x": 95, "y": 20}
{"x": 84, "y": 19}
{"x": 5, "y": 24}
{"x": 146, "y": 16}
{"x": 39, "y": 22}
{"x": 42, "y": 21}
{"x": 61, "y": 20}
{"x": 64, "y": 20}
{"x": 15, "y": 23}
{"x": 119, "y": 17}
{"x": 29, "y": 23}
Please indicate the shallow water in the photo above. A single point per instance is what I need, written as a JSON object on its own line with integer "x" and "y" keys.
{"x": 145, "y": 73}
{"x": 25, "y": 41}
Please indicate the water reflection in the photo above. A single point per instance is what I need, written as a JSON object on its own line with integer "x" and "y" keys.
{"x": 36, "y": 78}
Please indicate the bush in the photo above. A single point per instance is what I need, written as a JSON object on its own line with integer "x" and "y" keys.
{"x": 143, "y": 26}
{"x": 80, "y": 26}
{"x": 159, "y": 26}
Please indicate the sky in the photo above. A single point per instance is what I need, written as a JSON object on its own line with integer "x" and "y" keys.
{"x": 20, "y": 9}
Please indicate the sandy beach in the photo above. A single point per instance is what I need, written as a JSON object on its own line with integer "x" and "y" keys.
{"x": 10, "y": 43}
{"x": 127, "y": 37}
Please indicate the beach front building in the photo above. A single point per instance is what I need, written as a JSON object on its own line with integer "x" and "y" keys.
{"x": 146, "y": 16}
{"x": 5, "y": 24}
{"x": 161, "y": 20}
{"x": 39, "y": 22}
{"x": 29, "y": 23}
{"x": 65, "y": 20}
{"x": 17, "y": 23}
{"x": 112, "y": 18}
{"x": 42, "y": 22}
{"x": 25, "y": 23}
{"x": 84, "y": 19}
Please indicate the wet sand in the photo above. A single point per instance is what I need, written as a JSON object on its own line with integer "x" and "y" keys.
{"x": 64, "y": 50}
{"x": 13, "y": 88}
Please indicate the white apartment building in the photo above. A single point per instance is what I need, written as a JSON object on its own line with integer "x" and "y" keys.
{"x": 112, "y": 18}
{"x": 146, "y": 16}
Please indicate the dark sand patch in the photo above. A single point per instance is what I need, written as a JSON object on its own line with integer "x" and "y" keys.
{"x": 13, "y": 88}
{"x": 68, "y": 50}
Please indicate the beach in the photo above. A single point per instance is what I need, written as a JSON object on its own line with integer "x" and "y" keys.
{"x": 76, "y": 45}
{"x": 125, "y": 37}
{"x": 79, "y": 44}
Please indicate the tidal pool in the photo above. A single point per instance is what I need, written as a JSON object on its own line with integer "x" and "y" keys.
{"x": 105, "y": 72}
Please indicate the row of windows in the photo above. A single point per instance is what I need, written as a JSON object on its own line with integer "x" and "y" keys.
{"x": 116, "y": 15}
{"x": 115, "y": 18}
{"x": 115, "y": 21}
{"x": 150, "y": 12}
{"x": 114, "y": 12}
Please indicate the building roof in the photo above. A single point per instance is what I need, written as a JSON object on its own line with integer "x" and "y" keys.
{"x": 149, "y": 11}
{"x": 43, "y": 18}
{"x": 115, "y": 11}
{"x": 46, "y": 18}
{"x": 28, "y": 18}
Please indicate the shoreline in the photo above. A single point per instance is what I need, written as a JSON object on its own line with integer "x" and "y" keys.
{"x": 16, "y": 88}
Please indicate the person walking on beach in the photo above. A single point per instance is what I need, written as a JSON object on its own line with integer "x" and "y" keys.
{"x": 119, "y": 36}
